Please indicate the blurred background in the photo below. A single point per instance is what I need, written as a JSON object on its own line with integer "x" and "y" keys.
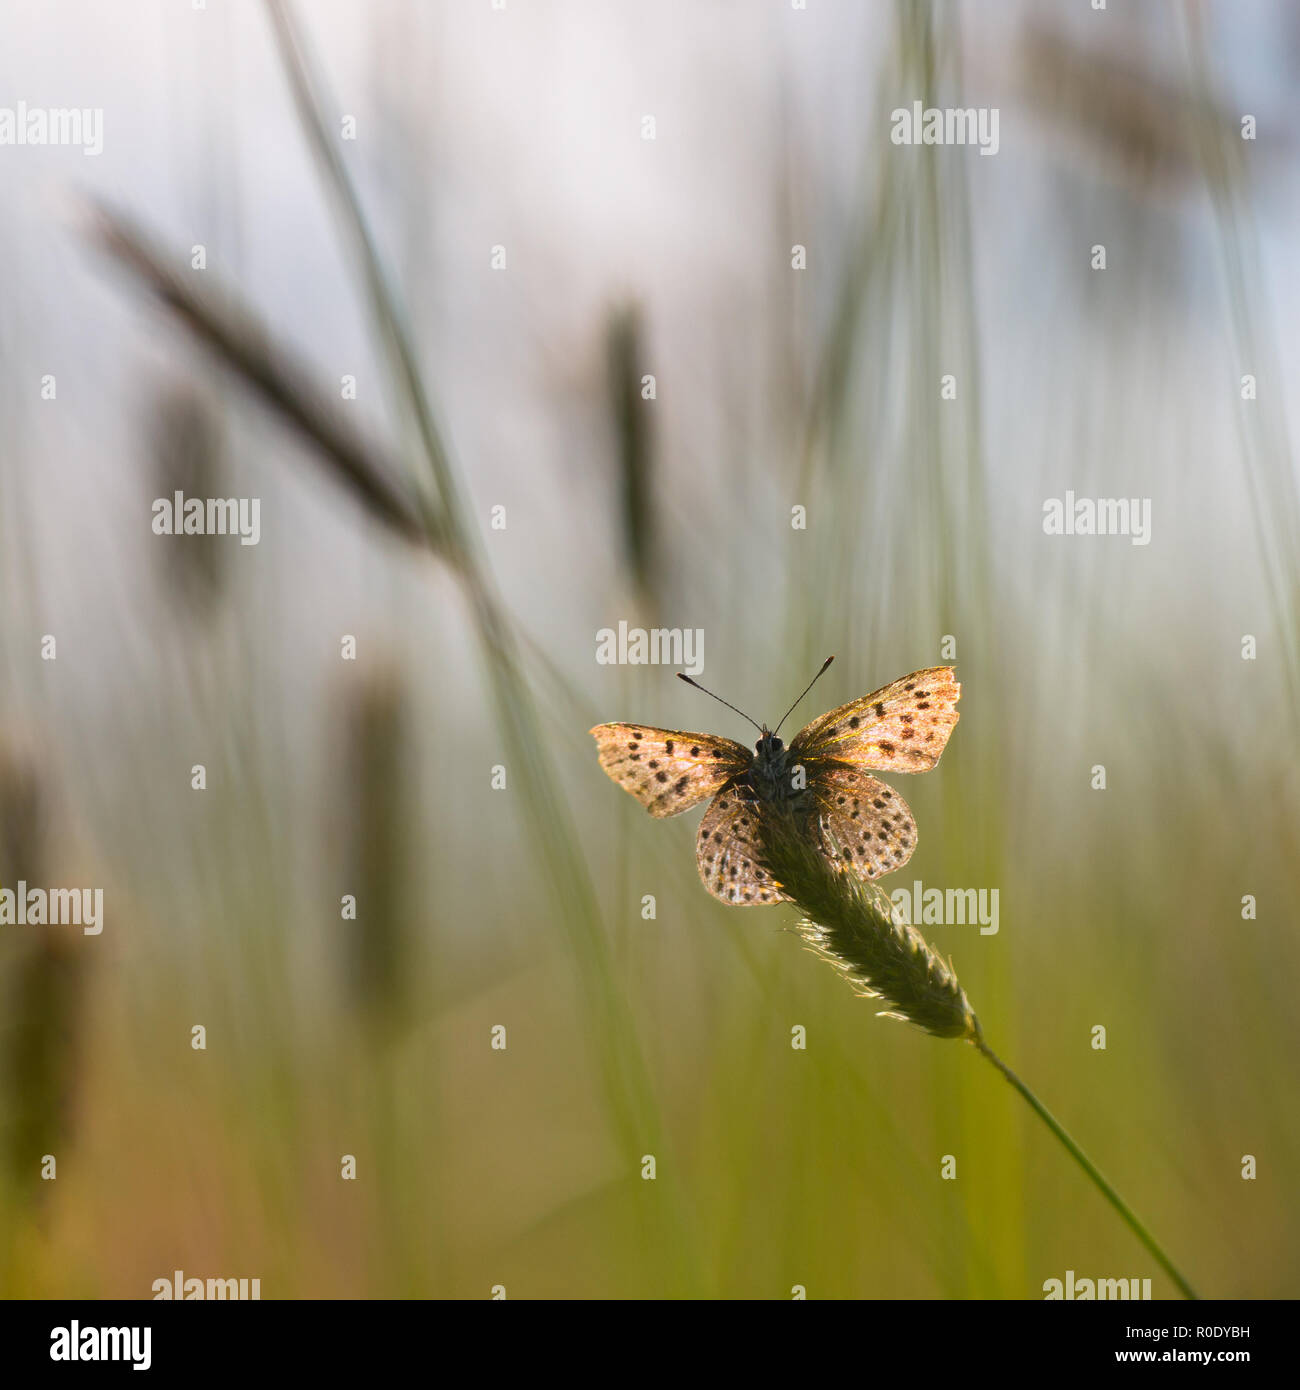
{"x": 350, "y": 171}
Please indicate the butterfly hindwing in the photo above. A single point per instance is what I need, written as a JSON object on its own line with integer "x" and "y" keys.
{"x": 861, "y": 824}
{"x": 728, "y": 853}
{"x": 667, "y": 771}
{"x": 900, "y": 728}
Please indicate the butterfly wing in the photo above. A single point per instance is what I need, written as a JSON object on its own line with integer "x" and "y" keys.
{"x": 860, "y": 824}
{"x": 728, "y": 853}
{"x": 667, "y": 771}
{"x": 902, "y": 727}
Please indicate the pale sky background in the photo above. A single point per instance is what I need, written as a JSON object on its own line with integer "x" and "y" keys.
{"x": 522, "y": 128}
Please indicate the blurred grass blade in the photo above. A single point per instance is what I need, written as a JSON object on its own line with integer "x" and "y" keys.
{"x": 628, "y": 1093}
{"x": 635, "y": 456}
{"x": 376, "y": 797}
{"x": 188, "y": 459}
{"x": 850, "y": 926}
{"x": 240, "y": 341}
{"x": 41, "y": 1023}
{"x": 385, "y": 305}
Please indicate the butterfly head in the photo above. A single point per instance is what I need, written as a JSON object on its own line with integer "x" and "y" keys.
{"x": 768, "y": 745}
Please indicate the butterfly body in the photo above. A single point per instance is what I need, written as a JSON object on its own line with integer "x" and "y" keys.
{"x": 857, "y": 821}
{"x": 769, "y": 771}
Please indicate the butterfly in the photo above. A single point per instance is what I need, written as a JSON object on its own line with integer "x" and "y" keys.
{"x": 824, "y": 778}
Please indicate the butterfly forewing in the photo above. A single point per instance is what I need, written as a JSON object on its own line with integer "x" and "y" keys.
{"x": 728, "y": 852}
{"x": 667, "y": 771}
{"x": 900, "y": 728}
{"x": 861, "y": 824}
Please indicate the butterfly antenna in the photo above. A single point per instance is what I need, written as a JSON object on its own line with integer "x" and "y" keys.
{"x": 807, "y": 688}
{"x": 721, "y": 701}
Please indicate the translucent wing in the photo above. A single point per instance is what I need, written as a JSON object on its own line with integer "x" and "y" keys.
{"x": 860, "y": 823}
{"x": 901, "y": 728}
{"x": 668, "y": 772}
{"x": 727, "y": 850}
